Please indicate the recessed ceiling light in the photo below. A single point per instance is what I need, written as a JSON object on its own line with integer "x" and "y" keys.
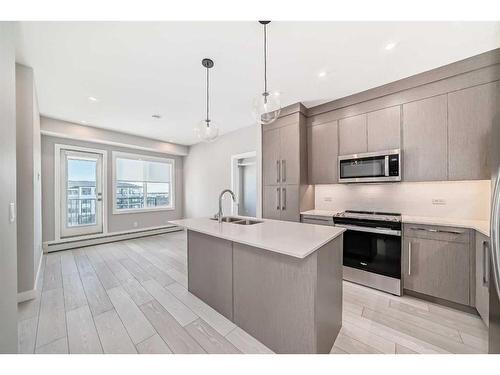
{"x": 322, "y": 74}
{"x": 156, "y": 116}
{"x": 390, "y": 46}
{"x": 92, "y": 99}
{"x": 84, "y": 122}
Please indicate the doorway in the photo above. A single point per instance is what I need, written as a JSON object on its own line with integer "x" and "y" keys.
{"x": 244, "y": 184}
{"x": 80, "y": 191}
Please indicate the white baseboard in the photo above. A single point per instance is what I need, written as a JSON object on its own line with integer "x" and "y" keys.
{"x": 32, "y": 293}
{"x": 26, "y": 296}
{"x": 72, "y": 243}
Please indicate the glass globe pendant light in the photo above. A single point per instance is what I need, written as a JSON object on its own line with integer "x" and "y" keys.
{"x": 207, "y": 130}
{"x": 267, "y": 106}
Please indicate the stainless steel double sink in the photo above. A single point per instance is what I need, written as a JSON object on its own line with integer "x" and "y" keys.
{"x": 237, "y": 220}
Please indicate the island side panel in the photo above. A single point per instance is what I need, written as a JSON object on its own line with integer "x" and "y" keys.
{"x": 210, "y": 271}
{"x": 329, "y": 294}
{"x": 274, "y": 297}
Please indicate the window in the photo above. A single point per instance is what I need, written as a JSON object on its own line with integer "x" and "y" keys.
{"x": 142, "y": 183}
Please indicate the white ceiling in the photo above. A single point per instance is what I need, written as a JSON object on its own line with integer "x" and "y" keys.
{"x": 137, "y": 69}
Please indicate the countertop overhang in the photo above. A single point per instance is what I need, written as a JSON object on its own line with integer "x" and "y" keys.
{"x": 289, "y": 238}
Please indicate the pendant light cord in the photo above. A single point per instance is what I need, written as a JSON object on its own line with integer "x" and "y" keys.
{"x": 265, "y": 58}
{"x": 208, "y": 101}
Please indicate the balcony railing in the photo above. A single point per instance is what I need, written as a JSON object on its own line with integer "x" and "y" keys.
{"x": 81, "y": 211}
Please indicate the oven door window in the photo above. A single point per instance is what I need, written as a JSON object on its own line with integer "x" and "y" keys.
{"x": 372, "y": 252}
{"x": 366, "y": 167}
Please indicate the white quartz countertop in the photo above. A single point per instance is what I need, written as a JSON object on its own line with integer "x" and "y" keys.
{"x": 482, "y": 226}
{"x": 294, "y": 239}
{"x": 319, "y": 213}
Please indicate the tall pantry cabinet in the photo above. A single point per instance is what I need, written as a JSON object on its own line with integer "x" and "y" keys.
{"x": 285, "y": 192}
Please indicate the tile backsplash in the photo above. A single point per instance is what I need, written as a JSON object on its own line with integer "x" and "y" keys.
{"x": 453, "y": 199}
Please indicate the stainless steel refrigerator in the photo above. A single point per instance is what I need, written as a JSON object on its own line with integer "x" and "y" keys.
{"x": 494, "y": 282}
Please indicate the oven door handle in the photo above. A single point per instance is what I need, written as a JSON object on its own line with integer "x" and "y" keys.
{"x": 390, "y": 232}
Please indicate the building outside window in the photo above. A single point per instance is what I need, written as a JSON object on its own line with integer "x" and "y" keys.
{"x": 81, "y": 202}
{"x": 142, "y": 183}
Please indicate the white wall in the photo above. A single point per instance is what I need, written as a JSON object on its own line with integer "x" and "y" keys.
{"x": 207, "y": 171}
{"x": 464, "y": 199}
{"x": 8, "y": 254}
{"x": 29, "y": 190}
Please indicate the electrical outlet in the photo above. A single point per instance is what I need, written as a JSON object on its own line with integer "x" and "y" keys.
{"x": 439, "y": 201}
{"x": 327, "y": 199}
{"x": 135, "y": 224}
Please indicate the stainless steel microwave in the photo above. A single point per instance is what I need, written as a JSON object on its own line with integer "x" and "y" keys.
{"x": 381, "y": 166}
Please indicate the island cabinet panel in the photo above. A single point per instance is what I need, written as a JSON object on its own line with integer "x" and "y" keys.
{"x": 470, "y": 119}
{"x": 482, "y": 276}
{"x": 425, "y": 140}
{"x": 437, "y": 262}
{"x": 353, "y": 135}
{"x": 210, "y": 271}
{"x": 384, "y": 129}
{"x": 322, "y": 148}
{"x": 291, "y": 305}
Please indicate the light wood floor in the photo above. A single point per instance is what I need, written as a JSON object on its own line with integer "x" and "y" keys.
{"x": 131, "y": 297}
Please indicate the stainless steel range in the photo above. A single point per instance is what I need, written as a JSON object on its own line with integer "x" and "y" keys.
{"x": 372, "y": 249}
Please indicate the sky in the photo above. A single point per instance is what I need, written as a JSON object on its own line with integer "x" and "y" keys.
{"x": 81, "y": 170}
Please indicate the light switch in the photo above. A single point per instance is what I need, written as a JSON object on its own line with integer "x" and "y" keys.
{"x": 12, "y": 212}
{"x": 439, "y": 201}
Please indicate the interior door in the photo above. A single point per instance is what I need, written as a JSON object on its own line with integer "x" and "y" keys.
{"x": 81, "y": 193}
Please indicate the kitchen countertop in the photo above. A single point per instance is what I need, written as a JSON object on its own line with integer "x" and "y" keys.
{"x": 482, "y": 226}
{"x": 319, "y": 213}
{"x": 284, "y": 237}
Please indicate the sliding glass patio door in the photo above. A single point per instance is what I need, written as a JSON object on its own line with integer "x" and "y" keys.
{"x": 81, "y": 193}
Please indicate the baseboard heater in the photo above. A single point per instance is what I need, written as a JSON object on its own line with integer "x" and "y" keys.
{"x": 72, "y": 243}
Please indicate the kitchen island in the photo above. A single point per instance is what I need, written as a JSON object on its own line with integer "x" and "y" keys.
{"x": 279, "y": 281}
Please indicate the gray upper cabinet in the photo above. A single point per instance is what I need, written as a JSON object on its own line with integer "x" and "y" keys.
{"x": 425, "y": 140}
{"x": 482, "y": 277}
{"x": 322, "y": 148}
{"x": 271, "y": 157}
{"x": 290, "y": 154}
{"x": 352, "y": 135}
{"x": 384, "y": 129}
{"x": 470, "y": 118}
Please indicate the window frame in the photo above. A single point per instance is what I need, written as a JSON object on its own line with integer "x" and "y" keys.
{"x": 126, "y": 155}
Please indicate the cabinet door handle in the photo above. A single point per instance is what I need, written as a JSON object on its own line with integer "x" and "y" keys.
{"x": 486, "y": 264}
{"x": 278, "y": 171}
{"x": 278, "y": 199}
{"x": 283, "y": 198}
{"x": 409, "y": 258}
{"x": 437, "y": 230}
{"x": 283, "y": 171}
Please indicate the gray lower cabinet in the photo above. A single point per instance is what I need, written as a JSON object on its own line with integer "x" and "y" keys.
{"x": 322, "y": 149}
{"x": 271, "y": 208}
{"x": 471, "y": 114}
{"x": 482, "y": 276}
{"x": 384, "y": 129}
{"x": 437, "y": 262}
{"x": 425, "y": 140}
{"x": 352, "y": 135}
